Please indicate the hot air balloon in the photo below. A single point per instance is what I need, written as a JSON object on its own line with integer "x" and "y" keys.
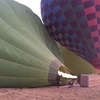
{"x": 75, "y": 24}
{"x": 29, "y": 57}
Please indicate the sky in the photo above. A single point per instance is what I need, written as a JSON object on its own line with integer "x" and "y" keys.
{"x": 34, "y": 5}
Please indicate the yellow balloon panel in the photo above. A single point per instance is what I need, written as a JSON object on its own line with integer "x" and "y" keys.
{"x": 76, "y": 64}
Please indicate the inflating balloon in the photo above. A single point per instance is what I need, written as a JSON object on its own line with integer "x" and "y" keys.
{"x": 28, "y": 56}
{"x": 76, "y": 25}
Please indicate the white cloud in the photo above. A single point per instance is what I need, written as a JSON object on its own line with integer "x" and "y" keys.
{"x": 34, "y": 5}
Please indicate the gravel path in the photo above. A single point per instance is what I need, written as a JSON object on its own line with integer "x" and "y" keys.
{"x": 51, "y": 93}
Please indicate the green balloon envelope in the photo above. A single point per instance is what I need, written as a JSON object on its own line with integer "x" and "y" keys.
{"x": 28, "y": 56}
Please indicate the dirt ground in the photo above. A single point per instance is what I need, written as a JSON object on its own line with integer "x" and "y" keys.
{"x": 51, "y": 93}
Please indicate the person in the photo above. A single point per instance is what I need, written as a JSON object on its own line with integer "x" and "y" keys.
{"x": 78, "y": 79}
{"x": 58, "y": 80}
{"x": 71, "y": 83}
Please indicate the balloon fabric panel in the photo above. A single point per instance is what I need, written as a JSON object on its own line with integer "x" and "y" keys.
{"x": 75, "y": 24}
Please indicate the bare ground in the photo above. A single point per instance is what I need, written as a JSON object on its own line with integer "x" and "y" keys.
{"x": 51, "y": 93}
